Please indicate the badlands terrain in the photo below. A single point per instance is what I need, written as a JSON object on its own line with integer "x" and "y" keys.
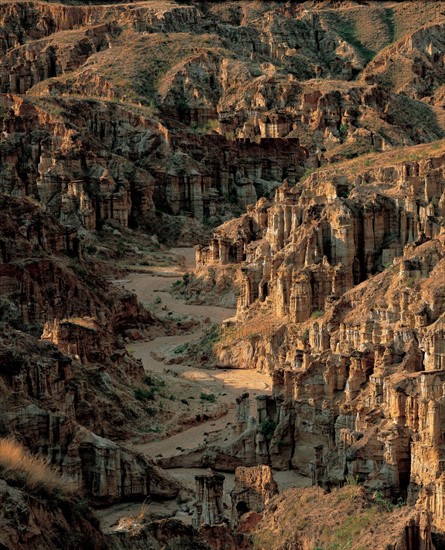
{"x": 222, "y": 275}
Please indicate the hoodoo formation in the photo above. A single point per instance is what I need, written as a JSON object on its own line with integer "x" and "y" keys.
{"x": 222, "y": 275}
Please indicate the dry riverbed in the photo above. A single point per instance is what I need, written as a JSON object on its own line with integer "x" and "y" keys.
{"x": 158, "y": 357}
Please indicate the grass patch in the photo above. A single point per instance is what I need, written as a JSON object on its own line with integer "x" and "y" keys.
{"x": 388, "y": 20}
{"x": 182, "y": 348}
{"x": 317, "y": 314}
{"x": 210, "y": 397}
{"x": 343, "y": 519}
{"x": 206, "y": 127}
{"x": 352, "y": 526}
{"x": 346, "y": 29}
{"x": 308, "y": 172}
{"x": 151, "y": 380}
{"x": 17, "y": 465}
{"x": 145, "y": 395}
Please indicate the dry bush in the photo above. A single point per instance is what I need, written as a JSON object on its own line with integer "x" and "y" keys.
{"x": 17, "y": 464}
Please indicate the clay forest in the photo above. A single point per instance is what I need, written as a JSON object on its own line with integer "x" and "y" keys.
{"x": 222, "y": 275}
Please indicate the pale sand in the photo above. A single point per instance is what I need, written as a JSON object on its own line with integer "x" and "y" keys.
{"x": 232, "y": 382}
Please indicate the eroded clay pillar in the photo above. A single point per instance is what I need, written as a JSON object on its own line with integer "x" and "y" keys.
{"x": 209, "y": 499}
{"x": 242, "y": 412}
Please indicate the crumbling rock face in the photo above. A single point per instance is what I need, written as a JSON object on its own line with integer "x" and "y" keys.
{"x": 343, "y": 302}
{"x": 307, "y": 518}
{"x": 136, "y": 166}
{"x": 414, "y": 66}
{"x": 50, "y": 409}
{"x": 259, "y": 93}
{"x": 254, "y": 488}
{"x": 323, "y": 236}
{"x": 25, "y": 520}
{"x": 56, "y": 399}
{"x": 209, "y": 503}
{"x": 59, "y": 169}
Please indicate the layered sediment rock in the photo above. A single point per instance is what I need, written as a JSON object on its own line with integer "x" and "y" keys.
{"x": 254, "y": 489}
{"x": 198, "y": 111}
{"x": 209, "y": 503}
{"x": 343, "y": 301}
{"x": 260, "y": 93}
{"x": 303, "y": 518}
{"x": 63, "y": 401}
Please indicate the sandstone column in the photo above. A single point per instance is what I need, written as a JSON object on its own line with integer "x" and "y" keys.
{"x": 209, "y": 499}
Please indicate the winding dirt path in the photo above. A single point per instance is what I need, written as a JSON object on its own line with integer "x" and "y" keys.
{"x": 230, "y": 383}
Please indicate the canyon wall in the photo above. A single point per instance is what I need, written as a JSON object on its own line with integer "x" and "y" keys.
{"x": 199, "y": 110}
{"x": 342, "y": 299}
{"x": 68, "y": 395}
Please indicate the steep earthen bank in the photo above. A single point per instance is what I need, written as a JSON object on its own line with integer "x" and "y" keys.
{"x": 67, "y": 394}
{"x": 200, "y": 109}
{"x": 342, "y": 299}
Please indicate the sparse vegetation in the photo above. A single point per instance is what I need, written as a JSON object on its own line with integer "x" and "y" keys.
{"x": 205, "y": 344}
{"x": 155, "y": 381}
{"x": 347, "y": 30}
{"x": 342, "y": 519}
{"x": 182, "y": 348}
{"x": 343, "y": 130}
{"x": 267, "y": 428}
{"x": 145, "y": 395}
{"x": 308, "y": 172}
{"x": 29, "y": 471}
{"x": 317, "y": 314}
{"x": 210, "y": 397}
{"x": 206, "y": 127}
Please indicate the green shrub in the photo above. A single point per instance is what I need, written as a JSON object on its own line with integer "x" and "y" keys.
{"x": 151, "y": 380}
{"x": 144, "y": 395}
{"x": 206, "y": 127}
{"x": 267, "y": 428}
{"x": 317, "y": 314}
{"x": 211, "y": 397}
{"x": 182, "y": 348}
{"x": 343, "y": 130}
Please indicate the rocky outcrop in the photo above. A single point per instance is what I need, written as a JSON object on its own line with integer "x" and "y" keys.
{"x": 254, "y": 489}
{"x": 306, "y": 518}
{"x": 260, "y": 93}
{"x": 65, "y": 402}
{"x": 59, "y": 169}
{"x": 342, "y": 301}
{"x": 323, "y": 236}
{"x": 25, "y": 521}
{"x": 88, "y": 185}
{"x": 209, "y": 499}
{"x": 414, "y": 65}
{"x": 52, "y": 404}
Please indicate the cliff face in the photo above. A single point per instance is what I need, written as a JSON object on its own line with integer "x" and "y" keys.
{"x": 320, "y": 126}
{"x": 344, "y": 516}
{"x": 81, "y": 181}
{"x": 201, "y": 109}
{"x": 342, "y": 299}
{"x": 56, "y": 399}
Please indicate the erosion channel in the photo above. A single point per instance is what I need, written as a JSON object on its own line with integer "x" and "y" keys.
{"x": 209, "y": 422}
